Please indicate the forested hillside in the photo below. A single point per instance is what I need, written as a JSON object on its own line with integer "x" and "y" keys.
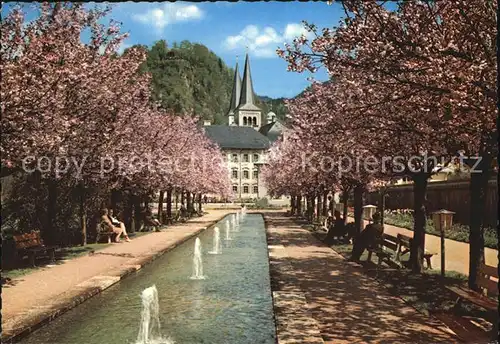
{"x": 189, "y": 78}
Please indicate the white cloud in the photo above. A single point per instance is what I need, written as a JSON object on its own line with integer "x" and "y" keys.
{"x": 122, "y": 47}
{"x": 169, "y": 13}
{"x": 263, "y": 42}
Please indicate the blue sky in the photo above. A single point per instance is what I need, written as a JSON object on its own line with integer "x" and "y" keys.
{"x": 227, "y": 28}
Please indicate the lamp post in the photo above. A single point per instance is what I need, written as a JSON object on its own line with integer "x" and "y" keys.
{"x": 368, "y": 211}
{"x": 442, "y": 220}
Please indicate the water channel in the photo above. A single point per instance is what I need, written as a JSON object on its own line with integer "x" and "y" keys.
{"x": 232, "y": 304}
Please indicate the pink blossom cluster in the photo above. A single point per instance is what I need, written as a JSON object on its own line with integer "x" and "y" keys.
{"x": 63, "y": 97}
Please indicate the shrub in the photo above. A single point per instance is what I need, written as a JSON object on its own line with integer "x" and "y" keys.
{"x": 459, "y": 232}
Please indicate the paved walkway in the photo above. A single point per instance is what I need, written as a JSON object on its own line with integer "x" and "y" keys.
{"x": 339, "y": 303}
{"x": 41, "y": 294}
{"x": 456, "y": 252}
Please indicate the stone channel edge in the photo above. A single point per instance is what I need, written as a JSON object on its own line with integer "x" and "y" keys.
{"x": 89, "y": 289}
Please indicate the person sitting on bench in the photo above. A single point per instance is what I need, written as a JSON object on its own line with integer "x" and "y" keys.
{"x": 115, "y": 229}
{"x": 367, "y": 238}
{"x": 149, "y": 220}
{"x": 118, "y": 223}
{"x": 336, "y": 229}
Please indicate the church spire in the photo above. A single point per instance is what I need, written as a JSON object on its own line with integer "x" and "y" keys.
{"x": 247, "y": 98}
{"x": 235, "y": 94}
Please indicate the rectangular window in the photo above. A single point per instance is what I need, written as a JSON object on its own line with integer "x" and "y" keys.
{"x": 235, "y": 157}
{"x": 256, "y": 158}
{"x": 245, "y": 189}
{"x": 255, "y": 174}
{"x": 255, "y": 189}
{"x": 235, "y": 174}
{"x": 246, "y": 174}
{"x": 235, "y": 188}
{"x": 245, "y": 158}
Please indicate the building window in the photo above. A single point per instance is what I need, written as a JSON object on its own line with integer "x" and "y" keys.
{"x": 246, "y": 175}
{"x": 245, "y": 189}
{"x": 235, "y": 188}
{"x": 255, "y": 189}
{"x": 244, "y": 121}
{"x": 235, "y": 157}
{"x": 235, "y": 173}
{"x": 246, "y": 158}
{"x": 255, "y": 121}
{"x": 256, "y": 158}
{"x": 255, "y": 174}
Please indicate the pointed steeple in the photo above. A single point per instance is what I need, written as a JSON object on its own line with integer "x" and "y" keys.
{"x": 235, "y": 94}
{"x": 247, "y": 97}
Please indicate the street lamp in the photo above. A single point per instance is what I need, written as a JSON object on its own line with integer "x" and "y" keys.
{"x": 442, "y": 220}
{"x": 368, "y": 211}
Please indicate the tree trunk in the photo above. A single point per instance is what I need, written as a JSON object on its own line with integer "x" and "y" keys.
{"x": 183, "y": 197}
{"x": 189, "y": 203}
{"x": 310, "y": 208}
{"x": 83, "y": 215}
{"x": 325, "y": 203}
{"x": 358, "y": 208}
{"x": 381, "y": 207}
{"x": 292, "y": 205}
{"x": 417, "y": 248}
{"x": 36, "y": 179}
{"x": 138, "y": 218}
{"x": 319, "y": 207}
{"x": 200, "y": 208}
{"x": 116, "y": 199}
{"x": 160, "y": 207}
{"x": 478, "y": 194}
{"x": 299, "y": 205}
{"x": 345, "y": 198}
{"x": 50, "y": 232}
{"x": 169, "y": 203}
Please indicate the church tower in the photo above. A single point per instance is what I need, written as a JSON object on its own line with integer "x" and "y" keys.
{"x": 247, "y": 113}
{"x": 235, "y": 96}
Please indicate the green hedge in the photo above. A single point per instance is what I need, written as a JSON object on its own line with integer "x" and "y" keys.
{"x": 459, "y": 232}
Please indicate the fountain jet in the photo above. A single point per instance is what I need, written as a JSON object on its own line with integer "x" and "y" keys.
{"x": 197, "y": 261}
{"x": 228, "y": 237}
{"x": 150, "y": 329}
{"x": 217, "y": 246}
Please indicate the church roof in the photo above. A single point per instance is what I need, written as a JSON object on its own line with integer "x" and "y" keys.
{"x": 247, "y": 97}
{"x": 235, "y": 94}
{"x": 272, "y": 130}
{"x": 234, "y": 137}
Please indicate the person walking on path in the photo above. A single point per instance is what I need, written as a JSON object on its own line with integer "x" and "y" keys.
{"x": 367, "y": 238}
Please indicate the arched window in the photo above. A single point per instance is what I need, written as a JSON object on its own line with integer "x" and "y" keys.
{"x": 255, "y": 189}
{"x": 234, "y": 173}
{"x": 255, "y": 174}
{"x": 245, "y": 189}
{"x": 235, "y": 188}
{"x": 244, "y": 121}
{"x": 246, "y": 174}
{"x": 255, "y": 121}
{"x": 246, "y": 158}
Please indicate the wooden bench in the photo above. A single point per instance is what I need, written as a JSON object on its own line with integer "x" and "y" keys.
{"x": 104, "y": 234}
{"x": 487, "y": 282}
{"x": 386, "y": 242}
{"x": 404, "y": 243}
{"x": 31, "y": 244}
{"x": 321, "y": 224}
